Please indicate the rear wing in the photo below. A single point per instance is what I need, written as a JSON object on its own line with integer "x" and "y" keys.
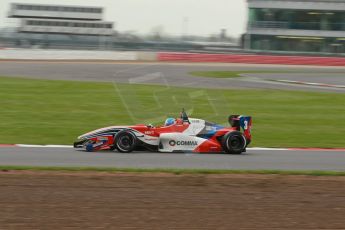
{"x": 242, "y": 122}
{"x": 184, "y": 116}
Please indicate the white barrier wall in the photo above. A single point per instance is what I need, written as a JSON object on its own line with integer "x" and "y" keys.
{"x": 40, "y": 54}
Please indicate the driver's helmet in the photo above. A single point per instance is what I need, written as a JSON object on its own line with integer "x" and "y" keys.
{"x": 169, "y": 121}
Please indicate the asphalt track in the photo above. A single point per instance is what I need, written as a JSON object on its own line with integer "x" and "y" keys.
{"x": 176, "y": 74}
{"x": 252, "y": 159}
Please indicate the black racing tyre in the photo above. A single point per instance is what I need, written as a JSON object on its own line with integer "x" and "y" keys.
{"x": 234, "y": 142}
{"x": 125, "y": 141}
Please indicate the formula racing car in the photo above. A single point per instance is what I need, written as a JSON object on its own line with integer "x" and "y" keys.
{"x": 182, "y": 134}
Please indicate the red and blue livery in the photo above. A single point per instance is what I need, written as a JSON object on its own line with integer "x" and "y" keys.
{"x": 182, "y": 134}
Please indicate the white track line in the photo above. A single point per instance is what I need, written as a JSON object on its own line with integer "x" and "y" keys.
{"x": 43, "y": 146}
{"x": 70, "y": 146}
{"x": 251, "y": 148}
{"x": 267, "y": 149}
{"x": 311, "y": 83}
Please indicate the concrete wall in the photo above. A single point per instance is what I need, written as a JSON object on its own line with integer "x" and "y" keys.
{"x": 29, "y": 54}
{"x": 37, "y": 54}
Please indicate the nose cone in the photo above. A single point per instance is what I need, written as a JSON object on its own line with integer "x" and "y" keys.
{"x": 94, "y": 132}
{"x": 102, "y": 131}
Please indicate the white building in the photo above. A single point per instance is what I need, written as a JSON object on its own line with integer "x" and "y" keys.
{"x": 59, "y": 19}
{"x": 296, "y": 25}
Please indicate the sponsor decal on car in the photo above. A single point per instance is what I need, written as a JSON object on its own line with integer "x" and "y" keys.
{"x": 188, "y": 143}
{"x": 172, "y": 143}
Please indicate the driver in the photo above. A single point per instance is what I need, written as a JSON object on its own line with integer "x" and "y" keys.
{"x": 169, "y": 121}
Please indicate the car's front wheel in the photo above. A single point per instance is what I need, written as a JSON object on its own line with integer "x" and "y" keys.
{"x": 125, "y": 141}
{"x": 234, "y": 142}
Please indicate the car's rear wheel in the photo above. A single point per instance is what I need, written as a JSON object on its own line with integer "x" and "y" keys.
{"x": 125, "y": 141}
{"x": 234, "y": 142}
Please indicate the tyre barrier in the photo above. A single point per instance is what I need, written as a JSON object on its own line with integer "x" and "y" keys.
{"x": 251, "y": 59}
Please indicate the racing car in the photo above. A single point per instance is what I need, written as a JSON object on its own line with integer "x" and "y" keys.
{"x": 182, "y": 134}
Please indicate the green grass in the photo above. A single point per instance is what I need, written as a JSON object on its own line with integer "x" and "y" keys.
{"x": 56, "y": 112}
{"x": 172, "y": 171}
